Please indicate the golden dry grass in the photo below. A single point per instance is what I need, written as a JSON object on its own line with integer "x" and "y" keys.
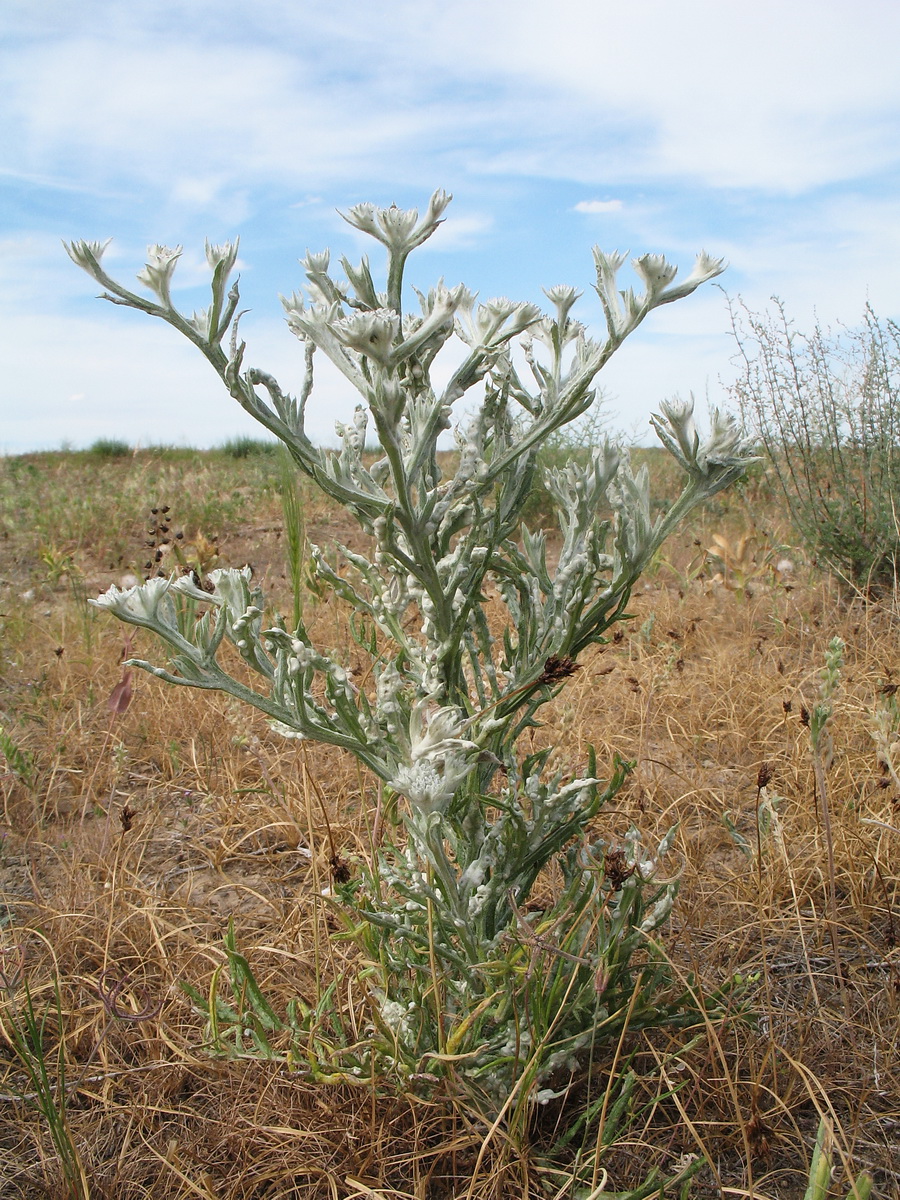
{"x": 135, "y": 838}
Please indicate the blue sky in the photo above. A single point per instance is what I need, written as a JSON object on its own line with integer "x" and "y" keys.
{"x": 765, "y": 132}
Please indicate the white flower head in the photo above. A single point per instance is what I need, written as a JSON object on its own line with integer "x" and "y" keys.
{"x": 678, "y": 430}
{"x": 439, "y": 759}
{"x": 157, "y": 274}
{"x": 434, "y": 731}
{"x": 316, "y": 263}
{"x": 199, "y": 320}
{"x": 144, "y": 604}
{"x": 399, "y": 229}
{"x": 187, "y": 586}
{"x": 726, "y": 446}
{"x": 294, "y": 306}
{"x": 223, "y": 256}
{"x": 87, "y": 255}
{"x": 655, "y": 271}
{"x": 369, "y": 333}
{"x": 608, "y": 266}
{"x": 562, "y": 297}
{"x": 705, "y": 267}
{"x": 425, "y": 787}
{"x": 494, "y": 322}
{"x": 442, "y": 302}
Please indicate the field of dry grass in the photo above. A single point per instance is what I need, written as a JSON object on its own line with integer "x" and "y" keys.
{"x": 138, "y": 820}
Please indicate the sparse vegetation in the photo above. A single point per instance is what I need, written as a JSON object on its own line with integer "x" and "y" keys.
{"x": 442, "y": 964}
{"x": 131, "y": 839}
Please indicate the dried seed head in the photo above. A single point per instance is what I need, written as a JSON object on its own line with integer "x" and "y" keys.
{"x": 763, "y": 775}
{"x": 760, "y": 1135}
{"x": 557, "y": 668}
{"x": 340, "y": 871}
{"x": 616, "y": 868}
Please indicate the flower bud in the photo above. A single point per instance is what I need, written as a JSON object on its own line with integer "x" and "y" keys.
{"x": 157, "y": 274}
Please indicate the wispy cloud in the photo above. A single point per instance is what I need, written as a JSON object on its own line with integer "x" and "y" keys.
{"x": 767, "y": 133}
{"x": 105, "y": 377}
{"x": 771, "y": 95}
{"x": 596, "y": 207}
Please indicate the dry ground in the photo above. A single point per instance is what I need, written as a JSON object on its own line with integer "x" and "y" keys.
{"x": 130, "y": 839}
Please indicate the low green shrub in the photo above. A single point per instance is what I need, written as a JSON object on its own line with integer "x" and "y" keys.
{"x": 247, "y": 447}
{"x": 826, "y": 408}
{"x": 110, "y": 448}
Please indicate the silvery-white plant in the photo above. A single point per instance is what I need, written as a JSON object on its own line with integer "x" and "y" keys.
{"x": 471, "y": 626}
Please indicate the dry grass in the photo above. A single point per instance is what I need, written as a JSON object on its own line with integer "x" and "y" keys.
{"x": 130, "y": 840}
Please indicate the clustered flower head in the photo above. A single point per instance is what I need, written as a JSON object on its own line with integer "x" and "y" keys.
{"x": 139, "y": 604}
{"x": 439, "y": 759}
{"x": 399, "y": 230}
{"x": 626, "y": 309}
{"x": 157, "y": 274}
{"x": 725, "y": 447}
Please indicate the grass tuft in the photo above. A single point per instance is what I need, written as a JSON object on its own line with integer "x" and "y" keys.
{"x": 247, "y": 447}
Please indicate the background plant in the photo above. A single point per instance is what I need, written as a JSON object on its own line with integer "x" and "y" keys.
{"x": 469, "y": 630}
{"x": 827, "y": 410}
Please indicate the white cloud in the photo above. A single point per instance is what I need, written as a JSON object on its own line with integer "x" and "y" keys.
{"x": 767, "y": 95}
{"x": 595, "y": 207}
{"x": 460, "y": 231}
{"x": 734, "y": 126}
{"x": 190, "y": 121}
{"x": 773, "y": 96}
{"x": 78, "y": 379}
